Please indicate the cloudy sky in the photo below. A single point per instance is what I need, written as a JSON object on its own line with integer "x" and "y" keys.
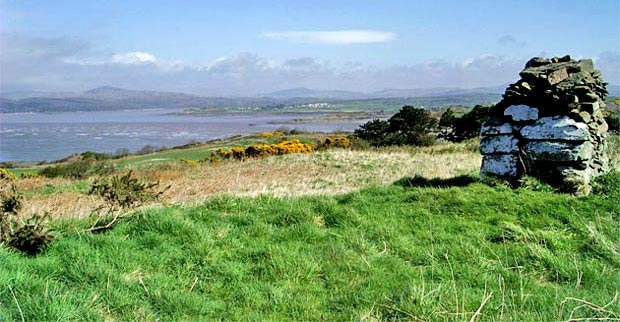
{"x": 253, "y": 47}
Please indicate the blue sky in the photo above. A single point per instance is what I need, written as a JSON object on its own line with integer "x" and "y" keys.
{"x": 249, "y": 47}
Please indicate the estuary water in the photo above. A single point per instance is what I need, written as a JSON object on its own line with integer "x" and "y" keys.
{"x": 53, "y": 136}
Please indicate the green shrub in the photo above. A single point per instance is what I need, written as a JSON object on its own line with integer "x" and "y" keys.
{"x": 410, "y": 126}
{"x": 78, "y": 169}
{"x": 374, "y": 132}
{"x": 72, "y": 170}
{"x": 32, "y": 235}
{"x": 126, "y": 191}
{"x": 91, "y": 155}
{"x": 467, "y": 126}
{"x": 613, "y": 121}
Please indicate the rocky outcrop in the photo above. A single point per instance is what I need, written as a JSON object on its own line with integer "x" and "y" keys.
{"x": 549, "y": 125}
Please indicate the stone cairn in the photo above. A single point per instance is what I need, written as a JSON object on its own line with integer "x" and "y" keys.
{"x": 549, "y": 126}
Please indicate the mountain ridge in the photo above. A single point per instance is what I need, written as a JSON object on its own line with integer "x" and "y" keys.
{"x": 116, "y": 98}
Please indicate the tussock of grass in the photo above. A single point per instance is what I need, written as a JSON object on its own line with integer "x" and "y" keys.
{"x": 430, "y": 250}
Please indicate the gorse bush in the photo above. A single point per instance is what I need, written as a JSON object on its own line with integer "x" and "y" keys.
{"x": 190, "y": 162}
{"x": 337, "y": 142}
{"x": 262, "y": 150}
{"x": 269, "y": 134}
{"x": 31, "y": 236}
{"x": 126, "y": 191}
{"x": 5, "y": 175}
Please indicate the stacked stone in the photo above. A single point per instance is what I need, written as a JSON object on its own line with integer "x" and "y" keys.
{"x": 549, "y": 125}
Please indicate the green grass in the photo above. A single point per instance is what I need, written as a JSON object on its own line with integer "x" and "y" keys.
{"x": 204, "y": 152}
{"x": 78, "y": 186}
{"x": 18, "y": 171}
{"x": 415, "y": 250}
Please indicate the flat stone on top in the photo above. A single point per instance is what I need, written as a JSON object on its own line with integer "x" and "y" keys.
{"x": 520, "y": 113}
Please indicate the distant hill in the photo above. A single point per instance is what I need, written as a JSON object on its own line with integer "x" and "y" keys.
{"x": 114, "y": 98}
{"x": 115, "y": 93}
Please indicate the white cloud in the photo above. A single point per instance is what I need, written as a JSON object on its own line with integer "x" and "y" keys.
{"x": 64, "y": 64}
{"x": 134, "y": 57}
{"x": 332, "y": 37}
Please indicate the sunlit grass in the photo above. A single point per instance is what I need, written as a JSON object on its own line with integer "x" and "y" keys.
{"x": 415, "y": 251}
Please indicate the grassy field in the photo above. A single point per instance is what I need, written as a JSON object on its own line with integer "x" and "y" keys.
{"x": 416, "y": 250}
{"x": 392, "y": 234}
{"x": 321, "y": 173}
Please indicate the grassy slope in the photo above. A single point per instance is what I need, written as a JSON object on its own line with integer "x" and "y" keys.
{"x": 394, "y": 252}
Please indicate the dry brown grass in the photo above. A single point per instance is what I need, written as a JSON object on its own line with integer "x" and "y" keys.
{"x": 64, "y": 204}
{"x": 324, "y": 173}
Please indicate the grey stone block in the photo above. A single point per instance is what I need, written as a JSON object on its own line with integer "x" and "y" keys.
{"x": 503, "y": 165}
{"x": 558, "y": 151}
{"x": 489, "y": 128}
{"x": 499, "y": 144}
{"x": 556, "y": 128}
